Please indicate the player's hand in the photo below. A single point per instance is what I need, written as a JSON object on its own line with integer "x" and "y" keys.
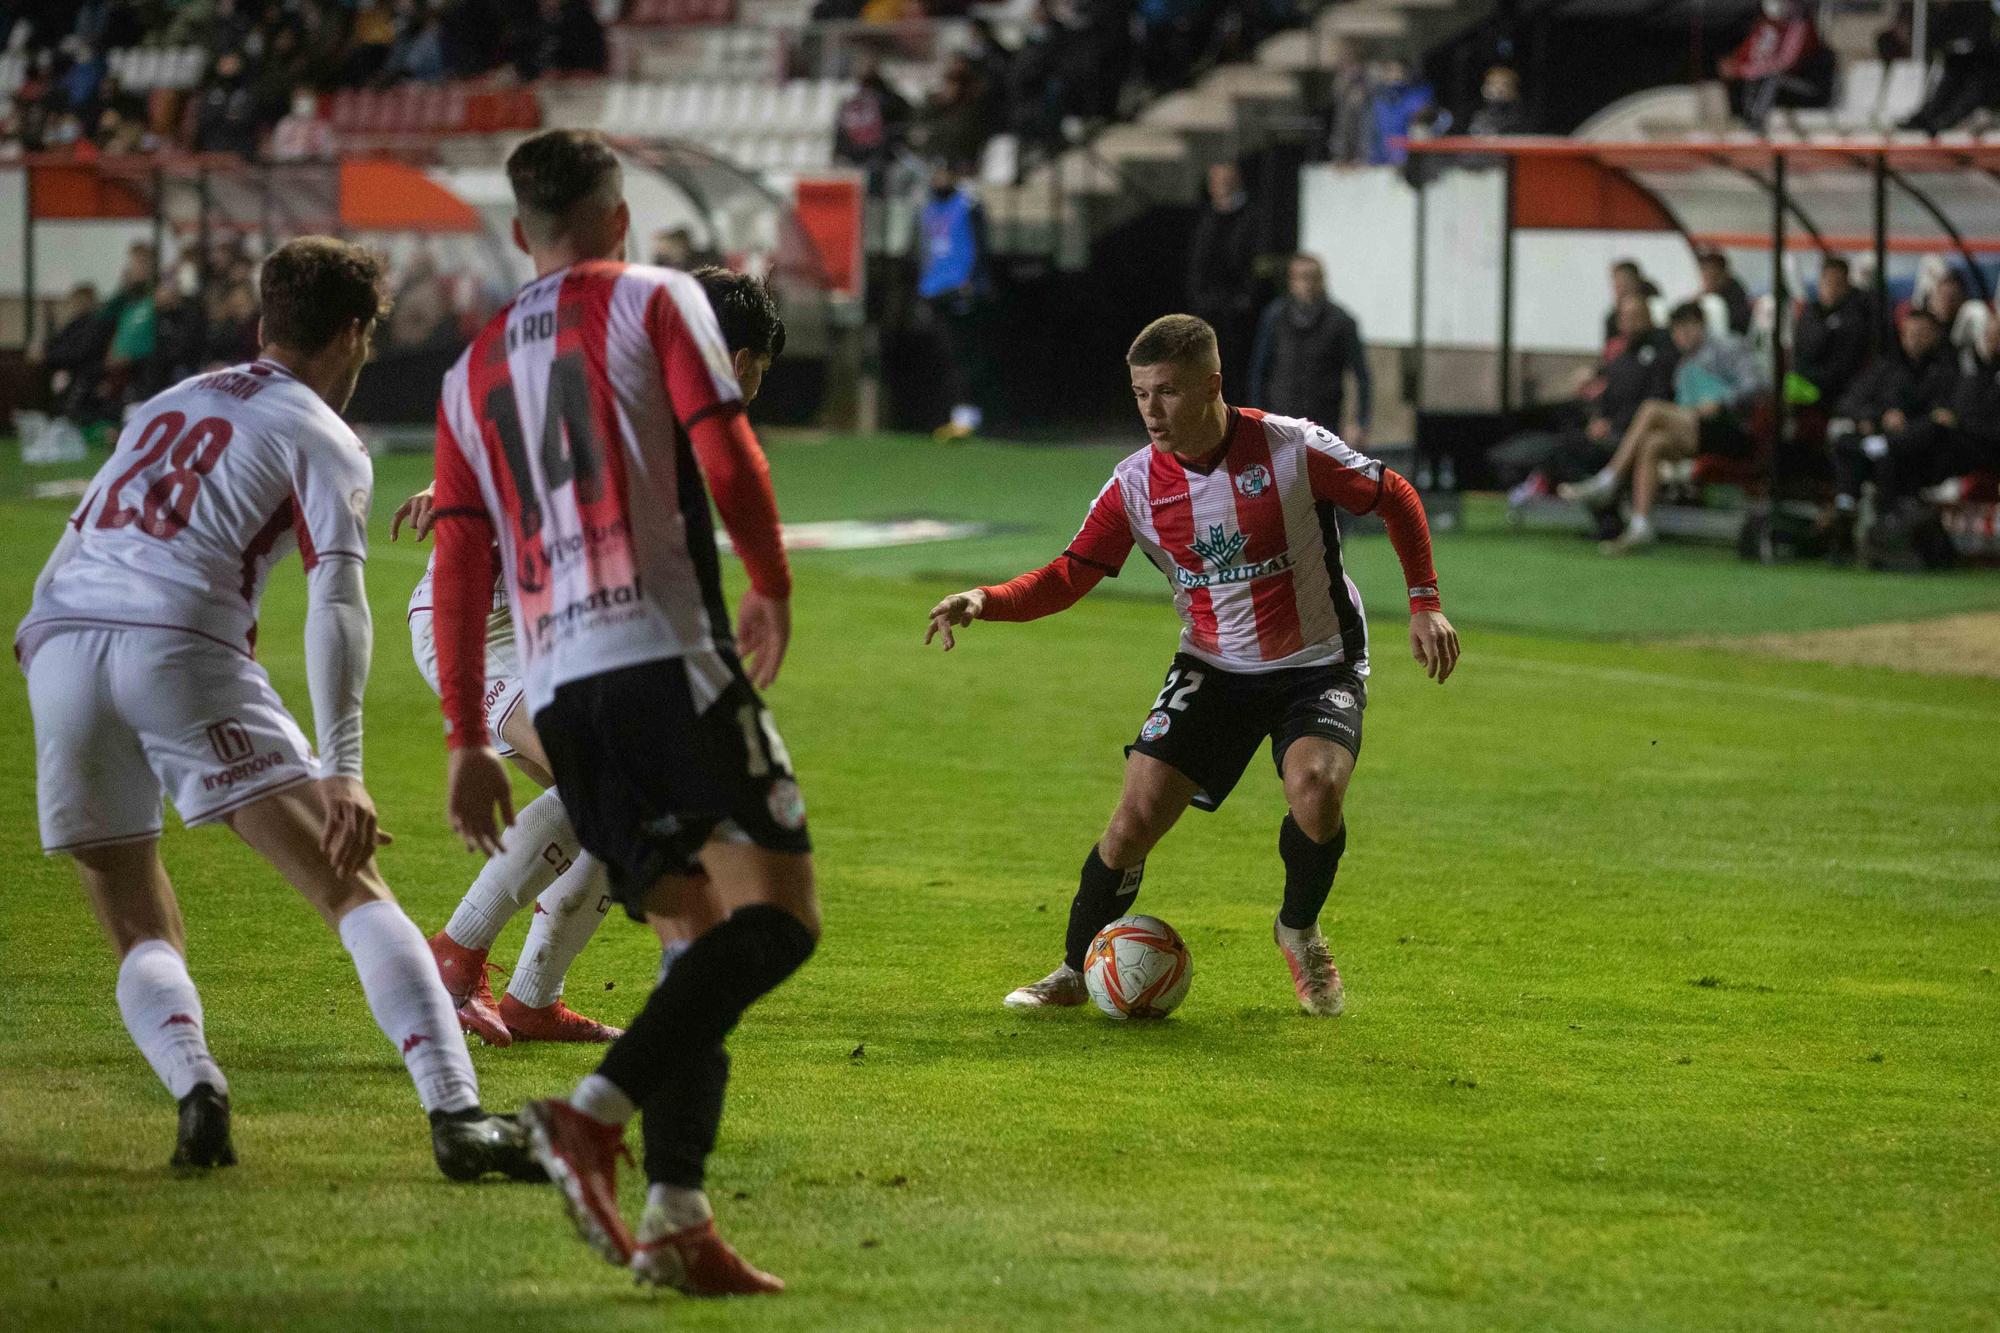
{"x": 1434, "y": 643}
{"x": 478, "y": 786}
{"x": 961, "y": 608}
{"x": 420, "y": 510}
{"x": 351, "y": 833}
{"x": 763, "y": 632}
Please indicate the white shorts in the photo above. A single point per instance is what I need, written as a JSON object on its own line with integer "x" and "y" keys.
{"x": 124, "y": 716}
{"x": 504, "y": 690}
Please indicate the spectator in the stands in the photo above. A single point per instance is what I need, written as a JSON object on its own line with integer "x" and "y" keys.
{"x": 1307, "y": 345}
{"x": 179, "y": 337}
{"x": 417, "y": 55}
{"x": 370, "y": 39}
{"x": 1628, "y": 279}
{"x": 954, "y": 119}
{"x": 1886, "y": 425}
{"x": 994, "y": 64}
{"x": 1638, "y": 367}
{"x": 1975, "y": 413}
{"x": 871, "y": 126}
{"x": 1718, "y": 386}
{"x": 953, "y": 285}
{"x": 133, "y": 324}
{"x": 72, "y": 357}
{"x": 1782, "y": 62}
{"x": 227, "y": 117}
{"x": 1499, "y": 110}
{"x": 232, "y": 324}
{"x": 1963, "y": 320}
{"x": 80, "y": 82}
{"x": 1723, "y": 297}
{"x": 561, "y": 37}
{"x": 1349, "y": 114}
{"x": 422, "y": 318}
{"x": 475, "y": 33}
{"x": 1398, "y": 103}
{"x": 1222, "y": 271}
{"x": 1172, "y": 35}
{"x": 1967, "y": 36}
{"x": 302, "y": 136}
{"x": 1833, "y": 336}
{"x": 676, "y": 247}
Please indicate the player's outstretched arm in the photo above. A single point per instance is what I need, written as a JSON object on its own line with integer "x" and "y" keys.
{"x": 956, "y": 611}
{"x": 1433, "y": 642}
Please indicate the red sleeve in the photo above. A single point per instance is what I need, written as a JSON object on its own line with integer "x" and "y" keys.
{"x": 461, "y": 593}
{"x": 1402, "y": 511}
{"x": 1097, "y": 552}
{"x": 684, "y": 354}
{"x": 740, "y": 480}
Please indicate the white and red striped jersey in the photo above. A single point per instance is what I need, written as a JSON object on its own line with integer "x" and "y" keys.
{"x": 421, "y": 598}
{"x": 567, "y": 424}
{"x": 212, "y": 482}
{"x": 1250, "y": 543}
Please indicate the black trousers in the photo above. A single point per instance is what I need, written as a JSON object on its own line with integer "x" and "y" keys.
{"x": 1922, "y": 454}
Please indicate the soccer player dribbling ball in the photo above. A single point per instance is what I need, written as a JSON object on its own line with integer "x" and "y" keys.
{"x": 576, "y": 433}
{"x": 1238, "y": 509}
{"x": 543, "y": 863}
{"x": 141, "y": 681}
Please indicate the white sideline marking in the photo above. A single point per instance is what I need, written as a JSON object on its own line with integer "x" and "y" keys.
{"x": 1788, "y": 694}
{"x": 850, "y": 534}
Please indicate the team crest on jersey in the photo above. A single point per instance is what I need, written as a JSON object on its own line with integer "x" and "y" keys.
{"x": 1221, "y": 547}
{"x": 1156, "y": 726}
{"x": 1338, "y": 698}
{"x": 1253, "y": 481}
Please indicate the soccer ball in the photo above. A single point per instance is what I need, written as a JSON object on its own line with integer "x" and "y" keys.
{"x": 1137, "y": 967}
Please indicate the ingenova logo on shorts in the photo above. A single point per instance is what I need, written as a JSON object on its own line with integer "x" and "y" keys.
{"x": 236, "y": 773}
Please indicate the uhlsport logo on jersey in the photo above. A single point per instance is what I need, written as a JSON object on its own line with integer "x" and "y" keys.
{"x": 1253, "y": 481}
{"x": 1156, "y": 727}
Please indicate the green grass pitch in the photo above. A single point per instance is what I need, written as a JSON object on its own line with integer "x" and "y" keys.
{"x": 1671, "y": 979}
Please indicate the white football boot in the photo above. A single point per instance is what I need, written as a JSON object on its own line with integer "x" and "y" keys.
{"x": 1060, "y": 989}
{"x": 1314, "y": 977}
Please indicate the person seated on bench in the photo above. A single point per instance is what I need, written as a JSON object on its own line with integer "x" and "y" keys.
{"x": 1717, "y": 387}
{"x": 1642, "y": 368}
{"x": 1890, "y": 423}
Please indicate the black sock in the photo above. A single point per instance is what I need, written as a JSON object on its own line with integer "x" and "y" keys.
{"x": 671, "y": 1047}
{"x": 1309, "y": 870}
{"x": 1102, "y": 896}
{"x": 679, "y": 1124}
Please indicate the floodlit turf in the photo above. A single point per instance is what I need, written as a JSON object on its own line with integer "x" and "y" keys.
{"x": 1671, "y": 983}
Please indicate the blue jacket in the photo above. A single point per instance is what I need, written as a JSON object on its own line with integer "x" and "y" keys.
{"x": 953, "y": 234}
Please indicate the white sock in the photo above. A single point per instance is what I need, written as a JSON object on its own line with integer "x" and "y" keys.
{"x": 602, "y": 1100}
{"x": 162, "y": 1011}
{"x": 539, "y": 847}
{"x": 409, "y": 1003}
{"x": 671, "y": 1208}
{"x": 1638, "y": 525}
{"x": 566, "y": 916}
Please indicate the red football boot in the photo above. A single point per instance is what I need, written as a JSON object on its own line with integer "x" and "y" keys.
{"x": 699, "y": 1262}
{"x": 581, "y": 1156}
{"x": 553, "y": 1022}
{"x": 464, "y": 971}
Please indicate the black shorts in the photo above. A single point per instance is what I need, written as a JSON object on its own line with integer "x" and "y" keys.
{"x": 1724, "y": 434}
{"x": 647, "y": 780}
{"x": 1208, "y": 722}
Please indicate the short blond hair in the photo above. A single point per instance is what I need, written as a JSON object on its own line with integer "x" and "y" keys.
{"x": 1175, "y": 338}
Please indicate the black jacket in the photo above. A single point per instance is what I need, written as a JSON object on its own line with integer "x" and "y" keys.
{"x": 1894, "y": 382}
{"x": 1301, "y": 361}
{"x": 1645, "y": 369}
{"x": 1832, "y": 344}
{"x": 1221, "y": 263}
{"x": 1978, "y": 403}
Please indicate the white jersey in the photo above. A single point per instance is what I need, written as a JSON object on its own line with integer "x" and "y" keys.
{"x": 212, "y": 482}
{"x": 567, "y": 422}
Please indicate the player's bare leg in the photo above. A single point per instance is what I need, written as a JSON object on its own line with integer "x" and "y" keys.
{"x": 398, "y": 977}
{"x": 541, "y": 864}
{"x": 1156, "y": 795}
{"x": 1601, "y": 488}
{"x": 1676, "y": 434}
{"x": 134, "y": 901}
{"x": 671, "y": 1065}
{"x": 1310, "y": 841}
